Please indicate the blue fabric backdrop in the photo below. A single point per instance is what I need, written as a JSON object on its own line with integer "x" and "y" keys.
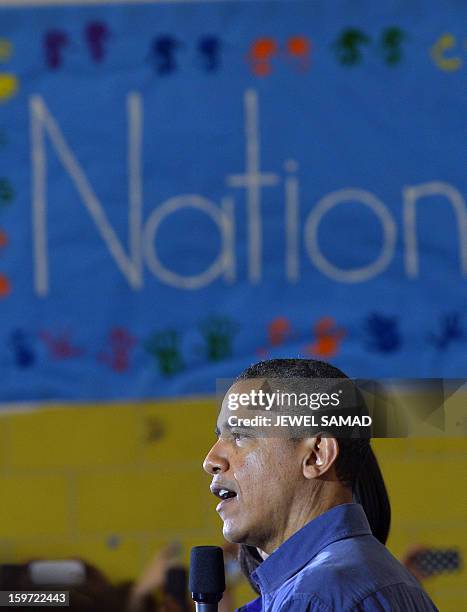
{"x": 186, "y": 188}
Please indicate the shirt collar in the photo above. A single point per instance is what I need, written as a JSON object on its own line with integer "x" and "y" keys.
{"x": 338, "y": 523}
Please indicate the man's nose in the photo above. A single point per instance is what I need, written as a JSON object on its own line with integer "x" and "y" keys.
{"x": 216, "y": 461}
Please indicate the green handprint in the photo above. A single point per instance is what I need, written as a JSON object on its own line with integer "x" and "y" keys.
{"x": 164, "y": 348}
{"x": 347, "y": 46}
{"x": 391, "y": 40}
{"x": 218, "y": 333}
{"x": 7, "y": 192}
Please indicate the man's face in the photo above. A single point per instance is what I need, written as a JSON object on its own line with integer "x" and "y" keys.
{"x": 255, "y": 477}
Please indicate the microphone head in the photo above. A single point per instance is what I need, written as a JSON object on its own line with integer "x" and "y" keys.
{"x": 207, "y": 576}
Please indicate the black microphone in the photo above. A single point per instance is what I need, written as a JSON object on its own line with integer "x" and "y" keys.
{"x": 207, "y": 577}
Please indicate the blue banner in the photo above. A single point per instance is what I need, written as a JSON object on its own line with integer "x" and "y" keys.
{"x": 186, "y": 188}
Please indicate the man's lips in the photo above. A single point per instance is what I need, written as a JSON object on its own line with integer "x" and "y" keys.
{"x": 224, "y": 492}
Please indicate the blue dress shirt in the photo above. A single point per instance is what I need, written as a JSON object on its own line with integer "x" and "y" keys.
{"x": 334, "y": 563}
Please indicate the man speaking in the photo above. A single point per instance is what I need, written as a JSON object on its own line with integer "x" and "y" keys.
{"x": 290, "y": 501}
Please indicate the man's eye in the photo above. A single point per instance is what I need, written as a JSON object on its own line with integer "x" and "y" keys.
{"x": 236, "y": 435}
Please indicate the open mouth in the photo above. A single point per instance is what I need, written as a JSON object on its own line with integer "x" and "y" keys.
{"x": 225, "y": 494}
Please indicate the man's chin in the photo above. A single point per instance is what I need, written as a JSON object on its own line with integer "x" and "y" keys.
{"x": 233, "y": 533}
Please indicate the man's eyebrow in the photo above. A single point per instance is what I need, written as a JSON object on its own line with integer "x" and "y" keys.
{"x": 230, "y": 428}
{"x": 225, "y": 426}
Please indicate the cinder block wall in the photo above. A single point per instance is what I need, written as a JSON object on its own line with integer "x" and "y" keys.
{"x": 111, "y": 484}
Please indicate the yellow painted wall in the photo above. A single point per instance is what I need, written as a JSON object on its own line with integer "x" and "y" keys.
{"x": 111, "y": 484}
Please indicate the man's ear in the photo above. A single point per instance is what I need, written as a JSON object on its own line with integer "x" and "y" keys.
{"x": 321, "y": 454}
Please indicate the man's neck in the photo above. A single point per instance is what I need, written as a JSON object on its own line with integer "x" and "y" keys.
{"x": 323, "y": 498}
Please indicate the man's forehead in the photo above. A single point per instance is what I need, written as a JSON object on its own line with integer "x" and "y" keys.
{"x": 240, "y": 387}
{"x": 245, "y": 386}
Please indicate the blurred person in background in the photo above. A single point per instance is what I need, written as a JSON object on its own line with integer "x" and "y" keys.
{"x": 166, "y": 577}
{"x": 91, "y": 591}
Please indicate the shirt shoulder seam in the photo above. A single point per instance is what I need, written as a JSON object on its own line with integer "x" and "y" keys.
{"x": 419, "y": 589}
{"x": 311, "y": 598}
